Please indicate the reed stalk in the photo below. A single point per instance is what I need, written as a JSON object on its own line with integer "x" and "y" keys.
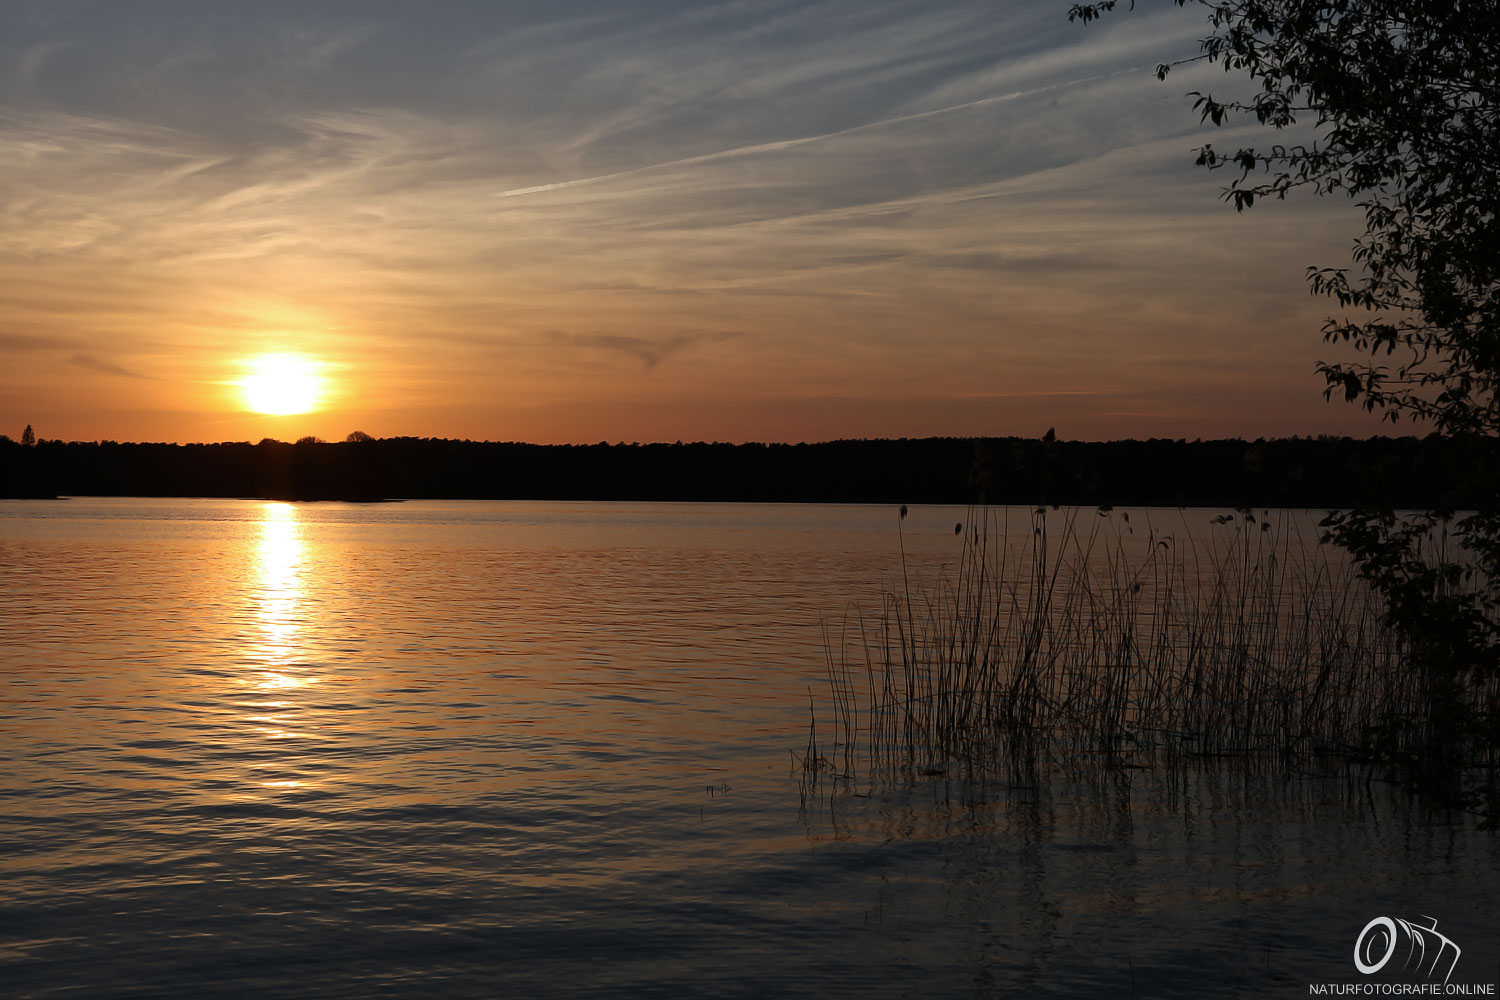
{"x": 1070, "y": 638}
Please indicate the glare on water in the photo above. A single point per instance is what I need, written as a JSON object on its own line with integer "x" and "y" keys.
{"x": 279, "y": 555}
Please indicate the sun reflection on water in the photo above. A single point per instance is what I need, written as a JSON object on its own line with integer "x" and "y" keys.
{"x": 278, "y": 610}
{"x": 279, "y": 613}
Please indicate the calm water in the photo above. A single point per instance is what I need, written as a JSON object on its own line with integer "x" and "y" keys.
{"x": 514, "y": 749}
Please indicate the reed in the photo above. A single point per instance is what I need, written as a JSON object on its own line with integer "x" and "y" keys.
{"x": 1074, "y": 633}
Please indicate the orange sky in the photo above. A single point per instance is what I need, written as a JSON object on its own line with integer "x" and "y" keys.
{"x": 763, "y": 221}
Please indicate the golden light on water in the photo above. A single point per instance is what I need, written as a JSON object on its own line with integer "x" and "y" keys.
{"x": 278, "y": 614}
{"x": 281, "y": 384}
{"x": 279, "y": 555}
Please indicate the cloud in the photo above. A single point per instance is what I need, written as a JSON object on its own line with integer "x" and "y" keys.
{"x": 902, "y": 200}
{"x": 650, "y": 353}
{"x": 319, "y": 49}
{"x": 107, "y": 367}
{"x": 18, "y": 342}
{"x": 782, "y": 145}
{"x": 29, "y": 68}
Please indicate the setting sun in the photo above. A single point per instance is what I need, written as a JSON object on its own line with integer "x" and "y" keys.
{"x": 282, "y": 384}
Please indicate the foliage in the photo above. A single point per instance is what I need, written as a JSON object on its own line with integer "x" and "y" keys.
{"x": 1403, "y": 95}
{"x": 28, "y": 437}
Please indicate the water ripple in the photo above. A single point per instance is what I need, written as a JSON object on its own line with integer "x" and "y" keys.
{"x": 470, "y": 750}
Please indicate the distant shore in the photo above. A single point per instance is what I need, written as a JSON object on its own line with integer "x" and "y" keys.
{"x": 1324, "y": 472}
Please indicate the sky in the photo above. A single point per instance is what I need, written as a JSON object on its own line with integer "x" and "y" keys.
{"x": 586, "y": 221}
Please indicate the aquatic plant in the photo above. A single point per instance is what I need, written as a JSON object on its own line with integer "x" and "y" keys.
{"x": 1078, "y": 633}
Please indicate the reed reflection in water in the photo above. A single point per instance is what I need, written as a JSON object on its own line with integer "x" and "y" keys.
{"x": 471, "y": 750}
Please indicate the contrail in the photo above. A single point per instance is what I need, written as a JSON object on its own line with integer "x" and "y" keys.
{"x": 768, "y": 147}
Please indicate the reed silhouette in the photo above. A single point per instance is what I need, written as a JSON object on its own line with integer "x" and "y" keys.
{"x": 1078, "y": 635}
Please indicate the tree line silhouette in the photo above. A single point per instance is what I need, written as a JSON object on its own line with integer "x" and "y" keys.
{"x": 1304, "y": 472}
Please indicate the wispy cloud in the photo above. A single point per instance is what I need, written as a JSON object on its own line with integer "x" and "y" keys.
{"x": 787, "y": 144}
{"x": 945, "y": 200}
{"x": 29, "y": 68}
{"x": 107, "y": 367}
{"x": 649, "y": 352}
{"x": 16, "y": 343}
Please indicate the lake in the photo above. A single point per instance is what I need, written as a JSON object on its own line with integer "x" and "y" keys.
{"x": 479, "y": 749}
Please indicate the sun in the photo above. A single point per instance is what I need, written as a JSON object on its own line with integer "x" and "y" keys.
{"x": 282, "y": 383}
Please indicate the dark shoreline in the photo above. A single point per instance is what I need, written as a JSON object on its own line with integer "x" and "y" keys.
{"x": 1312, "y": 473}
